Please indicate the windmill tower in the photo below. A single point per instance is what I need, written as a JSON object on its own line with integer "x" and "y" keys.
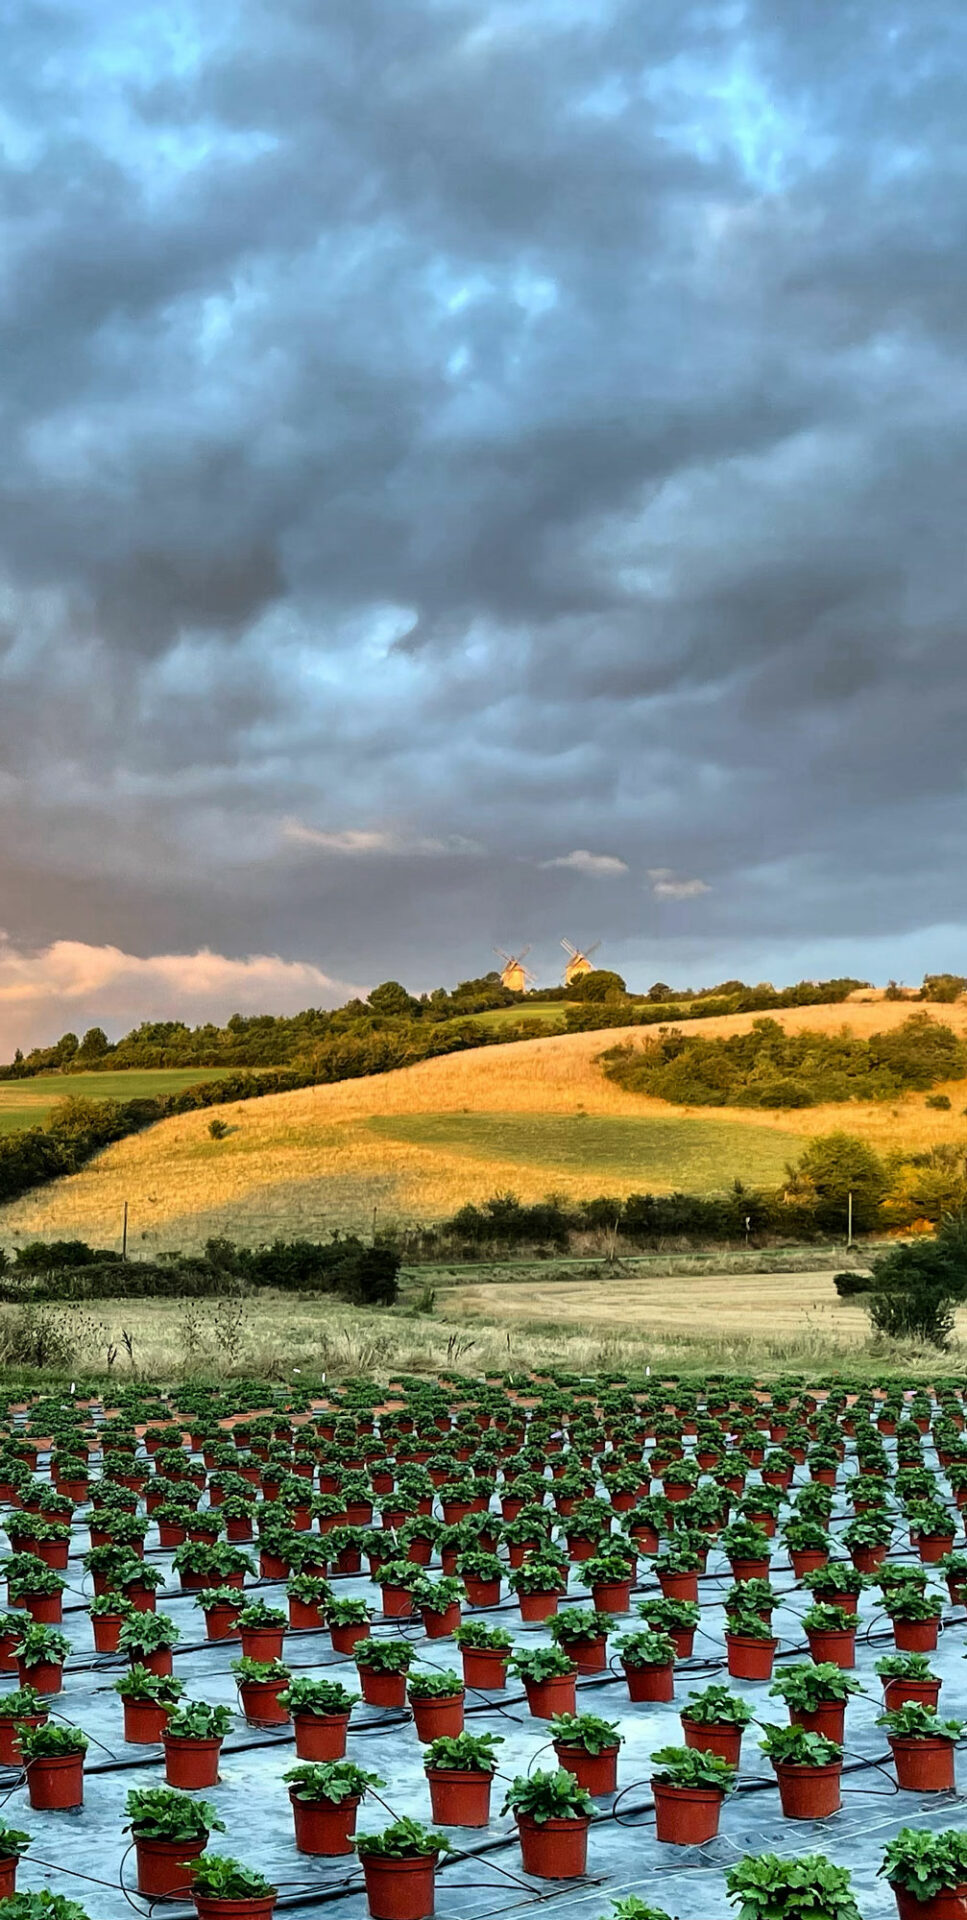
{"x": 578, "y": 962}
{"x": 514, "y": 975}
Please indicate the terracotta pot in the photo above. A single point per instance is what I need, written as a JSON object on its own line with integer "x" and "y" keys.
{"x": 399, "y": 1889}
{"x": 382, "y": 1689}
{"x": 46, "y": 1608}
{"x": 837, "y": 1645}
{"x": 749, "y": 1658}
{"x": 165, "y": 1867}
{"x": 867, "y": 1559}
{"x": 537, "y": 1606}
{"x": 305, "y": 1616}
{"x": 321, "y": 1827}
{"x": 589, "y": 1656}
{"x": 931, "y": 1551}
{"x": 916, "y": 1636}
{"x": 56, "y": 1782}
{"x": 678, "y": 1586}
{"x": 828, "y": 1718}
{"x": 612, "y": 1596}
{"x": 435, "y": 1718}
{"x": 686, "y": 1816}
{"x": 261, "y": 1704}
{"x": 46, "y": 1675}
{"x": 320, "y": 1736}
{"x": 261, "y": 1643}
{"x": 398, "y": 1603}
{"x": 896, "y": 1693}
{"x": 143, "y": 1599}
{"x": 923, "y": 1766}
{"x": 951, "y": 1904}
{"x": 343, "y": 1639}
{"x": 220, "y": 1622}
{"x": 957, "y": 1589}
{"x": 10, "y": 1754}
{"x": 459, "y": 1799}
{"x": 750, "y": 1569}
{"x": 272, "y": 1566}
{"x": 650, "y": 1683}
{"x": 723, "y": 1739}
{"x": 258, "y": 1907}
{"x": 485, "y": 1668}
{"x": 482, "y": 1593}
{"x": 191, "y": 1763}
{"x": 158, "y": 1662}
{"x": 8, "y": 1876}
{"x": 808, "y": 1793}
{"x": 645, "y": 1539}
{"x": 683, "y": 1641}
{"x": 107, "y": 1631}
{"x": 598, "y": 1772}
{"x": 553, "y": 1849}
{"x": 545, "y": 1698}
{"x": 440, "y": 1626}
{"x": 144, "y": 1723}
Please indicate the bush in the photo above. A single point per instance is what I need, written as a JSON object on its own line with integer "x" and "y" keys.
{"x": 915, "y": 1287}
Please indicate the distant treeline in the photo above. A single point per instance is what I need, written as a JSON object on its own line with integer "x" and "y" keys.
{"x": 392, "y": 1028}
{"x": 346, "y": 1268}
{"x": 768, "y": 1067}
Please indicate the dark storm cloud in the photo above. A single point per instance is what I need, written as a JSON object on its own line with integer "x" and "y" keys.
{"x": 462, "y": 459}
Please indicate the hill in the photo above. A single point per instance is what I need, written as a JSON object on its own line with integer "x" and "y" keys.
{"x": 27, "y": 1103}
{"x": 414, "y": 1144}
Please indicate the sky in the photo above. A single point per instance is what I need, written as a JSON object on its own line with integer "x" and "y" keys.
{"x": 477, "y": 472}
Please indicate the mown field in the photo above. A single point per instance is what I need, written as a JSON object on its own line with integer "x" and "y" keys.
{"x": 395, "y": 1147}
{"x": 26, "y": 1103}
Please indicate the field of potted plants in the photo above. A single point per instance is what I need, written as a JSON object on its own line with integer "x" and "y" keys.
{"x": 354, "y": 1646}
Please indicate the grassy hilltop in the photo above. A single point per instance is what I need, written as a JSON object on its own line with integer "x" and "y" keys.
{"x": 416, "y": 1143}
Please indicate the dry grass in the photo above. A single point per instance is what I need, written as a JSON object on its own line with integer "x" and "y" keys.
{"x": 306, "y": 1162}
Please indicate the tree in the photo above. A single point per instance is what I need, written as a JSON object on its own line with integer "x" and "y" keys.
{"x": 94, "y": 1045}
{"x": 832, "y": 1167}
{"x": 915, "y": 1287}
{"x": 599, "y": 984}
{"x": 392, "y": 999}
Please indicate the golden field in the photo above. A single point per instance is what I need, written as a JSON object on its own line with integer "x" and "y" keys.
{"x": 394, "y": 1147}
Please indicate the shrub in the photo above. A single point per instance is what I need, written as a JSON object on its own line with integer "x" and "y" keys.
{"x": 925, "y": 1864}
{"x": 765, "y": 1887}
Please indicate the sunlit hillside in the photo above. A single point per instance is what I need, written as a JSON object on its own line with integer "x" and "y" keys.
{"x": 413, "y": 1145}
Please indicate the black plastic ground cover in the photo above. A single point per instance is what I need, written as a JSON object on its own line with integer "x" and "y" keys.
{"x": 82, "y": 1854}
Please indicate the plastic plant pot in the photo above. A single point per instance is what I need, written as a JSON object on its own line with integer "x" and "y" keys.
{"x": 951, "y": 1904}
{"x": 46, "y": 1608}
{"x": 158, "y": 1662}
{"x": 382, "y": 1689}
{"x": 686, "y": 1816}
{"x": 191, "y": 1763}
{"x": 675, "y": 1586}
{"x": 144, "y": 1722}
{"x": 343, "y": 1639}
{"x": 322, "y": 1827}
{"x": 56, "y": 1782}
{"x": 723, "y": 1739}
{"x": 107, "y": 1631}
{"x": 612, "y": 1596}
{"x": 10, "y": 1754}
{"x": 809, "y": 1793}
{"x": 440, "y": 1626}
{"x": 545, "y": 1698}
{"x": 651, "y": 1683}
{"x": 867, "y": 1559}
{"x": 553, "y": 1849}
{"x": 220, "y": 1622}
{"x": 397, "y": 1603}
{"x": 750, "y": 1569}
{"x": 8, "y": 1876}
{"x": 437, "y": 1717}
{"x": 261, "y": 1643}
{"x": 645, "y": 1539}
{"x": 749, "y": 1658}
{"x": 537, "y": 1606}
{"x": 399, "y": 1889}
{"x": 597, "y": 1772}
{"x": 482, "y": 1593}
{"x": 257, "y": 1907}
{"x": 837, "y": 1644}
{"x": 305, "y": 1616}
{"x": 923, "y": 1766}
{"x": 47, "y": 1675}
{"x": 925, "y": 1693}
{"x": 916, "y": 1636}
{"x": 807, "y": 1560}
{"x": 589, "y": 1656}
{"x": 459, "y": 1799}
{"x": 827, "y": 1718}
{"x": 165, "y": 1866}
{"x": 261, "y": 1704}
{"x": 143, "y": 1599}
{"x": 485, "y": 1668}
{"x": 931, "y": 1551}
{"x": 320, "y": 1736}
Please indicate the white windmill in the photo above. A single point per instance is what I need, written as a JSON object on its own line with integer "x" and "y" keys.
{"x": 579, "y": 962}
{"x": 514, "y": 975}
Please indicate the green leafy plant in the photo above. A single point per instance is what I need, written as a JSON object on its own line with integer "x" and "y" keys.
{"x": 433, "y": 1686}
{"x": 691, "y": 1767}
{"x": 925, "y": 1864}
{"x": 50, "y": 1740}
{"x": 13, "y": 1843}
{"x": 915, "y": 1722}
{"x": 540, "y": 1663}
{"x": 38, "y": 1644}
{"x": 404, "y": 1840}
{"x": 544, "y": 1796}
{"x": 765, "y": 1887}
{"x": 579, "y": 1623}
{"x": 157, "y": 1689}
{"x": 332, "y": 1781}
{"x": 20, "y": 1702}
{"x": 795, "y": 1747}
{"x": 41, "y": 1906}
{"x": 717, "y": 1707}
{"x": 585, "y": 1730}
{"x": 826, "y": 1618}
{"x": 477, "y": 1633}
{"x": 804, "y": 1686}
{"x": 909, "y": 1603}
{"x": 319, "y": 1697}
{"x": 644, "y": 1648}
{"x": 463, "y": 1753}
{"x": 162, "y": 1813}
{"x": 538, "y": 1575}
{"x": 383, "y": 1656}
{"x": 257, "y": 1613}
{"x": 905, "y": 1666}
{"x": 220, "y": 1877}
{"x": 197, "y": 1720}
{"x": 670, "y": 1616}
{"x": 259, "y": 1673}
{"x": 144, "y": 1633}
